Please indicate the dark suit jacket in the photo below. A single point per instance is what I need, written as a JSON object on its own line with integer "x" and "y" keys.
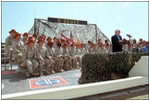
{"x": 115, "y": 46}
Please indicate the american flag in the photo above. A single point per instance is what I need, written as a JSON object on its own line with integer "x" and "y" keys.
{"x": 69, "y": 39}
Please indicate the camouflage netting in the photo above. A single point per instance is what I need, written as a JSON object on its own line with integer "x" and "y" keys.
{"x": 83, "y": 32}
{"x": 102, "y": 67}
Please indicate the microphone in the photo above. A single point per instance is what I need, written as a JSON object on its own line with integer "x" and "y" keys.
{"x": 128, "y": 35}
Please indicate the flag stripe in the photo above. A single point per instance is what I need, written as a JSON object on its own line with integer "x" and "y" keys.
{"x": 66, "y": 38}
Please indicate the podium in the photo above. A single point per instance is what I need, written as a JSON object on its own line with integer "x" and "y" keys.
{"x": 123, "y": 42}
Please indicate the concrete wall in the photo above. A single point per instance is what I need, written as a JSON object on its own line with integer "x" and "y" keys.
{"x": 141, "y": 68}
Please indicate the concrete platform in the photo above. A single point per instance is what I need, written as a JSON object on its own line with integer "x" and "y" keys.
{"x": 143, "y": 97}
{"x": 13, "y": 82}
{"x": 48, "y": 86}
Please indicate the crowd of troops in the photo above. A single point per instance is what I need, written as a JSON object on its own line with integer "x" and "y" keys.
{"x": 137, "y": 46}
{"x": 44, "y": 55}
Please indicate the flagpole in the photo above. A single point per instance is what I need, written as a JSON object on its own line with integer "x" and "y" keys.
{"x": 34, "y": 21}
{"x": 96, "y": 28}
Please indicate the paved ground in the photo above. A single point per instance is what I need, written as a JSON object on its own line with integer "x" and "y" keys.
{"x": 17, "y": 82}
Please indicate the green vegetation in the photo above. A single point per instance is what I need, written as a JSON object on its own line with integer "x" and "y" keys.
{"x": 103, "y": 67}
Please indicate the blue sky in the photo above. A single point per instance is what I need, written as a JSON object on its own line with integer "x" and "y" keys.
{"x": 129, "y": 17}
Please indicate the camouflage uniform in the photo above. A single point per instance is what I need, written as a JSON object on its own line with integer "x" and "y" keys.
{"x": 73, "y": 59}
{"x": 88, "y": 48}
{"x": 77, "y": 55}
{"x": 24, "y": 41}
{"x": 29, "y": 58}
{"x": 18, "y": 48}
{"x": 83, "y": 51}
{"x": 107, "y": 49}
{"x": 93, "y": 50}
{"x": 51, "y": 53}
{"x": 66, "y": 59}
{"x": 8, "y": 45}
{"x": 100, "y": 50}
{"x": 42, "y": 53}
{"x": 58, "y": 57}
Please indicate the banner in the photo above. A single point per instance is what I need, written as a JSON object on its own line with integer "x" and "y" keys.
{"x": 67, "y": 21}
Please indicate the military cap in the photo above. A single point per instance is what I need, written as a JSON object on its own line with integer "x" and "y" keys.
{"x": 25, "y": 34}
{"x": 12, "y": 31}
{"x": 34, "y": 35}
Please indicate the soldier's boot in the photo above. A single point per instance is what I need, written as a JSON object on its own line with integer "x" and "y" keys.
{"x": 52, "y": 70}
{"x": 60, "y": 68}
{"x": 41, "y": 72}
{"x": 80, "y": 63}
{"x": 68, "y": 68}
{"x": 46, "y": 71}
{"x": 19, "y": 65}
{"x": 77, "y": 67}
{"x": 30, "y": 70}
{"x": 70, "y": 65}
{"x": 27, "y": 74}
{"x": 35, "y": 74}
{"x": 74, "y": 64}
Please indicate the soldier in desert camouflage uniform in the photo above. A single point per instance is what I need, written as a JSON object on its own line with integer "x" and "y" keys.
{"x": 101, "y": 48}
{"x": 43, "y": 57}
{"x": 25, "y": 38}
{"x": 49, "y": 39}
{"x": 106, "y": 46}
{"x": 18, "y": 47}
{"x": 8, "y": 43}
{"x": 93, "y": 49}
{"x": 51, "y": 51}
{"x": 134, "y": 43}
{"x": 34, "y": 37}
{"x": 83, "y": 50}
{"x": 66, "y": 56}
{"x": 59, "y": 59}
{"x": 29, "y": 58}
{"x": 110, "y": 48}
{"x": 78, "y": 55}
{"x": 88, "y": 46}
{"x": 73, "y": 59}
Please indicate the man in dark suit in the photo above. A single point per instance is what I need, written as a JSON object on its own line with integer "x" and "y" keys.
{"x": 116, "y": 42}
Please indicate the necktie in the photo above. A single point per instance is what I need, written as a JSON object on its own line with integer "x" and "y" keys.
{"x": 118, "y": 37}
